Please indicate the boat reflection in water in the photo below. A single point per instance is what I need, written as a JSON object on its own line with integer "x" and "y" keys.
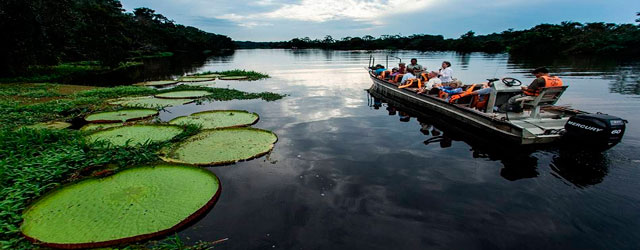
{"x": 578, "y": 168}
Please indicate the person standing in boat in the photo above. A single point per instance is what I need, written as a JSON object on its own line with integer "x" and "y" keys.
{"x": 415, "y": 68}
{"x": 543, "y": 80}
{"x": 445, "y": 73}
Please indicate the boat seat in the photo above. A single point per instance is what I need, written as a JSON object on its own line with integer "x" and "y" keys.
{"x": 547, "y": 97}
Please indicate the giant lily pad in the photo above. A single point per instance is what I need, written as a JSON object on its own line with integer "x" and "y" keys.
{"x": 221, "y": 146}
{"x": 206, "y": 75}
{"x": 135, "y": 204}
{"x": 218, "y": 119}
{"x": 156, "y": 83}
{"x": 148, "y": 102}
{"x": 100, "y": 126}
{"x": 185, "y": 94}
{"x": 50, "y": 125}
{"x": 136, "y": 134}
{"x": 234, "y": 77}
{"x": 196, "y": 79}
{"x": 121, "y": 115}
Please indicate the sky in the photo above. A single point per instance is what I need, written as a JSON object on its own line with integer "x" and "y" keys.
{"x": 282, "y": 20}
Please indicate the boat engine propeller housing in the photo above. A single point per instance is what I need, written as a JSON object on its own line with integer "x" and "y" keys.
{"x": 595, "y": 131}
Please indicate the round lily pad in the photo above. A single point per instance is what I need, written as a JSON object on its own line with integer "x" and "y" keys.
{"x": 207, "y": 75}
{"x": 156, "y": 83}
{"x": 135, "y": 204}
{"x": 136, "y": 134}
{"x": 148, "y": 102}
{"x": 121, "y": 115}
{"x": 50, "y": 125}
{"x": 100, "y": 126}
{"x": 221, "y": 146}
{"x": 218, "y": 119}
{"x": 185, "y": 94}
{"x": 196, "y": 79}
{"x": 234, "y": 77}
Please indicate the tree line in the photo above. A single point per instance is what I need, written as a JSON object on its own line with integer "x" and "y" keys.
{"x": 41, "y": 32}
{"x": 566, "y": 38}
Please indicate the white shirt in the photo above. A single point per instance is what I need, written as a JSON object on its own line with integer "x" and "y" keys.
{"x": 431, "y": 82}
{"x": 446, "y": 75}
{"x": 406, "y": 77}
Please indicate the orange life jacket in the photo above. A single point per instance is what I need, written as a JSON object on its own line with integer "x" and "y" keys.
{"x": 549, "y": 81}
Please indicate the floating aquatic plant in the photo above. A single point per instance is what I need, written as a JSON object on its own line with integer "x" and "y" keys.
{"x": 50, "y": 125}
{"x": 218, "y": 119}
{"x": 121, "y": 115}
{"x": 136, "y": 134}
{"x": 206, "y": 75}
{"x": 100, "y": 126}
{"x": 221, "y": 146}
{"x": 185, "y": 94}
{"x": 135, "y": 204}
{"x": 196, "y": 79}
{"x": 234, "y": 77}
{"x": 148, "y": 102}
{"x": 156, "y": 83}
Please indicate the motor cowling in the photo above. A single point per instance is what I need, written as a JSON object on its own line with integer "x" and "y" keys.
{"x": 596, "y": 131}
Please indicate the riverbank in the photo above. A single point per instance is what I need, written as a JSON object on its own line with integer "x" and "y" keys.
{"x": 35, "y": 161}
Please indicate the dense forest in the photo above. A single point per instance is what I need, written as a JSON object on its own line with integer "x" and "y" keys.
{"x": 41, "y": 32}
{"x": 567, "y": 38}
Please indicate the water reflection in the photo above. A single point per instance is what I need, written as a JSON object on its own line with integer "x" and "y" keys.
{"x": 581, "y": 169}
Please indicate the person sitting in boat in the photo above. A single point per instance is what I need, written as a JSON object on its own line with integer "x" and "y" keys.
{"x": 543, "y": 80}
{"x": 445, "y": 73}
{"x": 402, "y": 68}
{"x": 433, "y": 81}
{"x": 394, "y": 72}
{"x": 415, "y": 68}
{"x": 407, "y": 76}
{"x": 452, "y": 88}
{"x": 379, "y": 69}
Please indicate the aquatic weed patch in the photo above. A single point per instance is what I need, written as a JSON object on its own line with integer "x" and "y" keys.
{"x": 250, "y": 74}
{"x": 134, "y": 204}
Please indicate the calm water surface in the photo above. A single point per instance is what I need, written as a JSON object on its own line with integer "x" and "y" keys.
{"x": 347, "y": 173}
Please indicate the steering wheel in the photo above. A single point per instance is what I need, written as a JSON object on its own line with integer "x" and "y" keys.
{"x": 510, "y": 81}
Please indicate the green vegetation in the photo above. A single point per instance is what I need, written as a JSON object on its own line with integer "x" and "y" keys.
{"x": 133, "y": 204}
{"x": 567, "y": 38}
{"x": 250, "y": 74}
{"x": 218, "y": 119}
{"x": 34, "y": 161}
{"x": 134, "y": 135}
{"x": 221, "y": 146}
{"x": 14, "y": 113}
{"x": 123, "y": 115}
{"x": 47, "y": 33}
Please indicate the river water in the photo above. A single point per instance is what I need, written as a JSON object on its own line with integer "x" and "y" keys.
{"x": 349, "y": 172}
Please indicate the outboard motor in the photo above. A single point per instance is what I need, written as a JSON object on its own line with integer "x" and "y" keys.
{"x": 595, "y": 131}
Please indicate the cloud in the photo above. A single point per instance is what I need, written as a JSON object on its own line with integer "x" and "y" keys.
{"x": 330, "y": 10}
